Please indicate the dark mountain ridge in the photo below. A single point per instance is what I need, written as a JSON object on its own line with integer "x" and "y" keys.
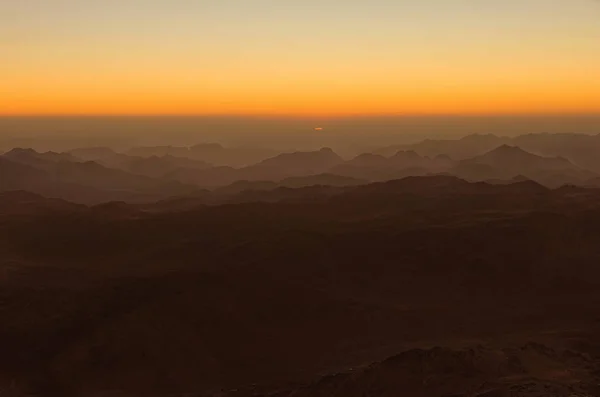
{"x": 266, "y": 295}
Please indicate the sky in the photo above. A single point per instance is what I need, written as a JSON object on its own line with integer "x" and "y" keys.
{"x": 299, "y": 57}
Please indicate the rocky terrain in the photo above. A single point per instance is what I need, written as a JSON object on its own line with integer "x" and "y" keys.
{"x": 425, "y": 286}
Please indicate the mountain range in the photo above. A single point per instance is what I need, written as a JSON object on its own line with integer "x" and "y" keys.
{"x": 580, "y": 149}
{"x": 91, "y": 175}
{"x": 424, "y": 286}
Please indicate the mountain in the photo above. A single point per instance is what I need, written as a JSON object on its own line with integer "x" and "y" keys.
{"x": 513, "y": 157}
{"x": 31, "y": 157}
{"x": 53, "y": 175}
{"x": 273, "y": 169}
{"x": 14, "y": 174}
{"x": 241, "y": 186}
{"x": 152, "y": 166}
{"x": 580, "y": 149}
{"x": 518, "y": 178}
{"x": 458, "y": 149}
{"x": 376, "y": 167}
{"x": 420, "y": 287}
{"x": 482, "y": 371}
{"x": 212, "y": 153}
{"x": 506, "y": 162}
{"x": 593, "y": 182}
{"x": 95, "y": 175}
{"x": 46, "y": 182}
{"x": 325, "y": 179}
{"x": 169, "y": 174}
{"x": 409, "y": 159}
{"x": 104, "y": 156}
{"x": 291, "y": 182}
{"x": 159, "y": 151}
{"x": 368, "y": 160}
{"x": 22, "y": 203}
{"x": 293, "y": 164}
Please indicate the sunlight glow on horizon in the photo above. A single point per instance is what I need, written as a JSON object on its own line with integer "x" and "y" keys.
{"x": 310, "y": 58}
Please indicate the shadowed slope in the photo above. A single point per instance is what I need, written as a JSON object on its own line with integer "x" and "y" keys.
{"x": 146, "y": 301}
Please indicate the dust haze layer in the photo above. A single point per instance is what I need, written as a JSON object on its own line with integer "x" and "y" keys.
{"x": 346, "y": 135}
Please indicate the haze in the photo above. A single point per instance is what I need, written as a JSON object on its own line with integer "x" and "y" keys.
{"x": 349, "y": 136}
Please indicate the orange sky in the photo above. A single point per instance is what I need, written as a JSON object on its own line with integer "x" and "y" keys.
{"x": 320, "y": 58}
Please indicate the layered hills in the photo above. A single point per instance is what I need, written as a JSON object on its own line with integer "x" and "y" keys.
{"x": 94, "y": 175}
{"x": 442, "y": 268}
{"x": 419, "y": 286}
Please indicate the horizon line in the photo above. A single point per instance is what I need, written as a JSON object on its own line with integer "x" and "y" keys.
{"x": 292, "y": 116}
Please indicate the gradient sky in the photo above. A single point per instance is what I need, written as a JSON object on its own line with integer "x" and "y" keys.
{"x": 299, "y": 57}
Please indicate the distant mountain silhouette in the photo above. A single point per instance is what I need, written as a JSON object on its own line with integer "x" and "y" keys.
{"x": 88, "y": 182}
{"x": 293, "y": 164}
{"x": 580, "y": 149}
{"x": 212, "y": 153}
{"x": 31, "y": 157}
{"x": 368, "y": 160}
{"x": 153, "y": 166}
{"x": 285, "y": 165}
{"x": 117, "y": 172}
{"x": 514, "y": 157}
{"x": 508, "y": 162}
{"x": 159, "y": 151}
{"x": 95, "y": 175}
{"x": 458, "y": 149}
{"x": 409, "y": 159}
{"x": 15, "y": 175}
{"x": 403, "y": 163}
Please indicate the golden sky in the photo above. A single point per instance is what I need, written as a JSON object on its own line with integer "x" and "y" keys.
{"x": 292, "y": 57}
